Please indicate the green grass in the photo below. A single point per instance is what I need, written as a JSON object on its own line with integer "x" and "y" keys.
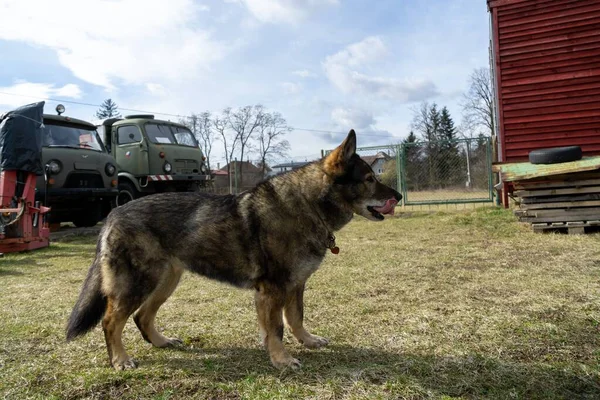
{"x": 444, "y": 305}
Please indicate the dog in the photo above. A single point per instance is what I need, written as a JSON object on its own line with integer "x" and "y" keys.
{"x": 269, "y": 239}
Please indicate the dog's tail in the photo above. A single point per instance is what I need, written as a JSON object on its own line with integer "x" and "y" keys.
{"x": 90, "y": 305}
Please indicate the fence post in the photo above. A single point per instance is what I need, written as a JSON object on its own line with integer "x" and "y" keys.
{"x": 399, "y": 183}
{"x": 490, "y": 160}
{"x": 468, "y": 164}
{"x": 230, "y": 172}
{"x": 236, "y": 176}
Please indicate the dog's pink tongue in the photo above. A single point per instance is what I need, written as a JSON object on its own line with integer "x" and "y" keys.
{"x": 388, "y": 207}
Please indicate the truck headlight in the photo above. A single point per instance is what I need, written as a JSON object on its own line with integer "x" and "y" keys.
{"x": 110, "y": 169}
{"x": 54, "y": 167}
{"x": 167, "y": 167}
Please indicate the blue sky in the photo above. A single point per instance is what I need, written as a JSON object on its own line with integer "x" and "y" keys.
{"x": 324, "y": 64}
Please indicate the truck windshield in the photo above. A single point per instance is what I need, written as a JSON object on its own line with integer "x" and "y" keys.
{"x": 184, "y": 137}
{"x": 71, "y": 137}
{"x": 165, "y": 134}
{"x": 160, "y": 134}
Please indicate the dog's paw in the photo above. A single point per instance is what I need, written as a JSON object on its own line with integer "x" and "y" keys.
{"x": 287, "y": 362}
{"x": 315, "y": 342}
{"x": 121, "y": 365}
{"x": 172, "y": 342}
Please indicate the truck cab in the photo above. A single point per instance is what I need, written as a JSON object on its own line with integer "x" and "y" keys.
{"x": 153, "y": 156}
{"x": 81, "y": 175}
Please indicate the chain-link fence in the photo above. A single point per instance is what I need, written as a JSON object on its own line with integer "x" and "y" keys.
{"x": 442, "y": 172}
{"x": 385, "y": 163}
{"x": 457, "y": 171}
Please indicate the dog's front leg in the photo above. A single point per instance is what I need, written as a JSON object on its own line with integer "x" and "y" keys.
{"x": 269, "y": 302}
{"x": 294, "y": 316}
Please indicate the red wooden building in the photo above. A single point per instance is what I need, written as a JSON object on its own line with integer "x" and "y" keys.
{"x": 546, "y": 66}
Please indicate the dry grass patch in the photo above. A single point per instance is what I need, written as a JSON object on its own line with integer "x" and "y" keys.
{"x": 441, "y": 305}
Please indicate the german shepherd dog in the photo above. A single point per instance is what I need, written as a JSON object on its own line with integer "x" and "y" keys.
{"x": 269, "y": 239}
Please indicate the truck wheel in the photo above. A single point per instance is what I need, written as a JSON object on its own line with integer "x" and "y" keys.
{"x": 555, "y": 155}
{"x": 127, "y": 193}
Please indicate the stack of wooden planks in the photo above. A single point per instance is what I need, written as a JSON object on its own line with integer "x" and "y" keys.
{"x": 569, "y": 202}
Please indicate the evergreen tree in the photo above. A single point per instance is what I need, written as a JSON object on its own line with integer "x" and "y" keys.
{"x": 411, "y": 138}
{"x": 449, "y": 163}
{"x": 435, "y": 124}
{"x": 108, "y": 109}
{"x": 412, "y": 161}
{"x": 447, "y": 129}
{"x": 433, "y": 146}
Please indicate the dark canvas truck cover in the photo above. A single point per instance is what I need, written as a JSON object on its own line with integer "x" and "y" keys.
{"x": 21, "y": 139}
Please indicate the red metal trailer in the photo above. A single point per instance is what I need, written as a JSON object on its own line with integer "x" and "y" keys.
{"x": 23, "y": 225}
{"x": 545, "y": 61}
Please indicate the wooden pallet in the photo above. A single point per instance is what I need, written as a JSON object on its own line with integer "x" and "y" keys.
{"x": 572, "y": 228}
{"x": 570, "y": 203}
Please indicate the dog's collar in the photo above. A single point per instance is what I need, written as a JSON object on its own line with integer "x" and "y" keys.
{"x": 331, "y": 244}
{"x": 330, "y": 236}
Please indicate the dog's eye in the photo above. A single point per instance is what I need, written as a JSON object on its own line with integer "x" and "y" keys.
{"x": 370, "y": 179}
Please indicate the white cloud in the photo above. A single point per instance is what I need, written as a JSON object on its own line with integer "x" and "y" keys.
{"x": 283, "y": 11}
{"x": 304, "y": 73}
{"x": 22, "y": 93}
{"x": 342, "y": 71}
{"x": 103, "y": 42}
{"x": 351, "y": 118}
{"x": 291, "y": 87}
{"x": 69, "y": 90}
{"x": 367, "y": 50}
{"x": 156, "y": 89}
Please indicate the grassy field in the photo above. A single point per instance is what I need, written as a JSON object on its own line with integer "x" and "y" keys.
{"x": 447, "y": 194}
{"x": 446, "y": 305}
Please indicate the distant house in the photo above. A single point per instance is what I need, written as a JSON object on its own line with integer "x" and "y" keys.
{"x": 281, "y": 168}
{"x": 377, "y": 161}
{"x": 249, "y": 173}
{"x": 220, "y": 178}
{"x": 268, "y": 170}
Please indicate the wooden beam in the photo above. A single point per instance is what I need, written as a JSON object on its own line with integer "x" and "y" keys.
{"x": 563, "y": 184}
{"x": 561, "y": 204}
{"x": 553, "y": 192}
{"x": 580, "y": 212}
{"x": 555, "y": 199}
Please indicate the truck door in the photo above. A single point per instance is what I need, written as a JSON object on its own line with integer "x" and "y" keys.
{"x": 131, "y": 151}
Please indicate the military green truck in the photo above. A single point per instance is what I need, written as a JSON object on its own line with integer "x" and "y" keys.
{"x": 153, "y": 156}
{"x": 81, "y": 174}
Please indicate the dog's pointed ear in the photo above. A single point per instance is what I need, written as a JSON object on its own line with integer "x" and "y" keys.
{"x": 336, "y": 161}
{"x": 349, "y": 145}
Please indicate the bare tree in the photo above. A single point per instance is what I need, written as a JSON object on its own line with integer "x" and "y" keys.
{"x": 220, "y": 124}
{"x": 245, "y": 123}
{"x": 426, "y": 121}
{"x": 270, "y": 140}
{"x": 206, "y": 135}
{"x": 478, "y": 104}
{"x": 201, "y": 127}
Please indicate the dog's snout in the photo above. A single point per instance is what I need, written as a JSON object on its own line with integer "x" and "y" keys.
{"x": 397, "y": 196}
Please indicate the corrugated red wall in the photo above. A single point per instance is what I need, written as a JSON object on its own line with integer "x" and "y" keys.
{"x": 546, "y": 63}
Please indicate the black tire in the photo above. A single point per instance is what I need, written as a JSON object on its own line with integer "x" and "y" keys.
{"x": 127, "y": 193}
{"x": 555, "y": 155}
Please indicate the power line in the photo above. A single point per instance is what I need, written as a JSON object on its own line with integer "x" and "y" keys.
{"x": 184, "y": 116}
{"x": 342, "y": 133}
{"x": 92, "y": 105}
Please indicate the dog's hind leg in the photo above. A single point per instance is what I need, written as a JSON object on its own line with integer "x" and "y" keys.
{"x": 113, "y": 323}
{"x": 294, "y": 317}
{"x": 145, "y": 316}
{"x": 269, "y": 302}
